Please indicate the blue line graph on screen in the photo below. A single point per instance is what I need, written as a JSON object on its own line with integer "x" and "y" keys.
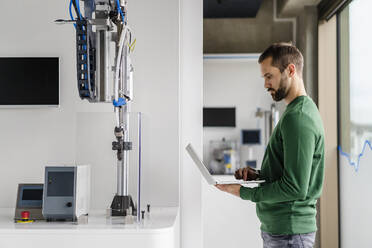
{"x": 355, "y": 165}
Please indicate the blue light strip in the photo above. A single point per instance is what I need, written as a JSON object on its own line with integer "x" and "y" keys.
{"x": 355, "y": 165}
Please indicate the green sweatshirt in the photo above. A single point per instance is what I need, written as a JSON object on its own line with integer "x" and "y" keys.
{"x": 293, "y": 167}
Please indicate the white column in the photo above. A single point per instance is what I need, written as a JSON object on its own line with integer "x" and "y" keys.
{"x": 191, "y": 103}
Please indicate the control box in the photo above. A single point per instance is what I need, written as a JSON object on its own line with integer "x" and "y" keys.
{"x": 29, "y": 199}
{"x": 66, "y": 193}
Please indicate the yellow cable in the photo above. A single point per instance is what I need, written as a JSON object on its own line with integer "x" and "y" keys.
{"x": 133, "y": 45}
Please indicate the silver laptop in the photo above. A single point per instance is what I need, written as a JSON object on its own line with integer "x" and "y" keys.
{"x": 208, "y": 177}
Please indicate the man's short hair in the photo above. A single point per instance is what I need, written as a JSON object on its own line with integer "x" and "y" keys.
{"x": 282, "y": 55}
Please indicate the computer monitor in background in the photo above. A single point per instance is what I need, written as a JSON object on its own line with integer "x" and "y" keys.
{"x": 251, "y": 136}
{"x": 219, "y": 117}
{"x": 29, "y": 81}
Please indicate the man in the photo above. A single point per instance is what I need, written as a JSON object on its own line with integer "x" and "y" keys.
{"x": 293, "y": 164}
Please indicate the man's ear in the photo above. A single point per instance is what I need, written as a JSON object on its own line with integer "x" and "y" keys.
{"x": 291, "y": 70}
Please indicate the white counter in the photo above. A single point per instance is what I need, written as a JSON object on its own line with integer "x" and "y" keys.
{"x": 159, "y": 229}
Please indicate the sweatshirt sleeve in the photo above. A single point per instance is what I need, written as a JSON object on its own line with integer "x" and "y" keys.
{"x": 298, "y": 145}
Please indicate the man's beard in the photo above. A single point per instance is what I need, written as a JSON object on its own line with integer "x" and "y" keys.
{"x": 282, "y": 92}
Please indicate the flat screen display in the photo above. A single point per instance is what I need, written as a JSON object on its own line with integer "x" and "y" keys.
{"x": 29, "y": 81}
{"x": 32, "y": 194}
{"x": 231, "y": 8}
{"x": 218, "y": 117}
{"x": 251, "y": 136}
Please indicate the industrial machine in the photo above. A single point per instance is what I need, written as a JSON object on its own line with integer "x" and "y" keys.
{"x": 29, "y": 202}
{"x": 66, "y": 193}
{"x": 101, "y": 27}
{"x": 223, "y": 156}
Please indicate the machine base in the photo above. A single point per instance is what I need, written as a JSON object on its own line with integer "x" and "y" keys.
{"x": 121, "y": 204}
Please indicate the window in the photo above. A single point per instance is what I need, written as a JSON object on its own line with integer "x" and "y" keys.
{"x": 355, "y": 122}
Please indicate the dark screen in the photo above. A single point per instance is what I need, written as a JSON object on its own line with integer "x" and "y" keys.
{"x": 231, "y": 8}
{"x": 60, "y": 183}
{"x": 251, "y": 137}
{"x": 32, "y": 194}
{"x": 29, "y": 81}
{"x": 218, "y": 117}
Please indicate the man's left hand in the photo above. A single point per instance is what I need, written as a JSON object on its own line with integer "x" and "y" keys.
{"x": 230, "y": 188}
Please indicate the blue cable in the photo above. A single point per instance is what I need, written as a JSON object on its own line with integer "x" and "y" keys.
{"x": 72, "y": 17}
{"x": 119, "y": 10}
{"x": 78, "y": 7}
{"x": 77, "y": 2}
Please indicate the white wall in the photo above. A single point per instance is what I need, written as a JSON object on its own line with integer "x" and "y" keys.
{"x": 227, "y": 220}
{"x": 235, "y": 83}
{"x": 31, "y": 138}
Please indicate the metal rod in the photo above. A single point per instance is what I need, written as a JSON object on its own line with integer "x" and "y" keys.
{"x": 120, "y": 181}
{"x": 126, "y": 119}
{"x": 139, "y": 167}
{"x": 126, "y": 153}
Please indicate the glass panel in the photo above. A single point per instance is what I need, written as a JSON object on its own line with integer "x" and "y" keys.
{"x": 355, "y": 100}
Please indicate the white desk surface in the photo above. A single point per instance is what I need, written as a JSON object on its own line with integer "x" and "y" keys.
{"x": 160, "y": 220}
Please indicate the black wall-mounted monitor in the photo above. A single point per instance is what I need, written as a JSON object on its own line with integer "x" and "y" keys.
{"x": 29, "y": 81}
{"x": 231, "y": 8}
{"x": 251, "y": 137}
{"x": 219, "y": 117}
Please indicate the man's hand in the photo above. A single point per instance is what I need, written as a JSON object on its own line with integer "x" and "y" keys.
{"x": 247, "y": 174}
{"x": 230, "y": 188}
